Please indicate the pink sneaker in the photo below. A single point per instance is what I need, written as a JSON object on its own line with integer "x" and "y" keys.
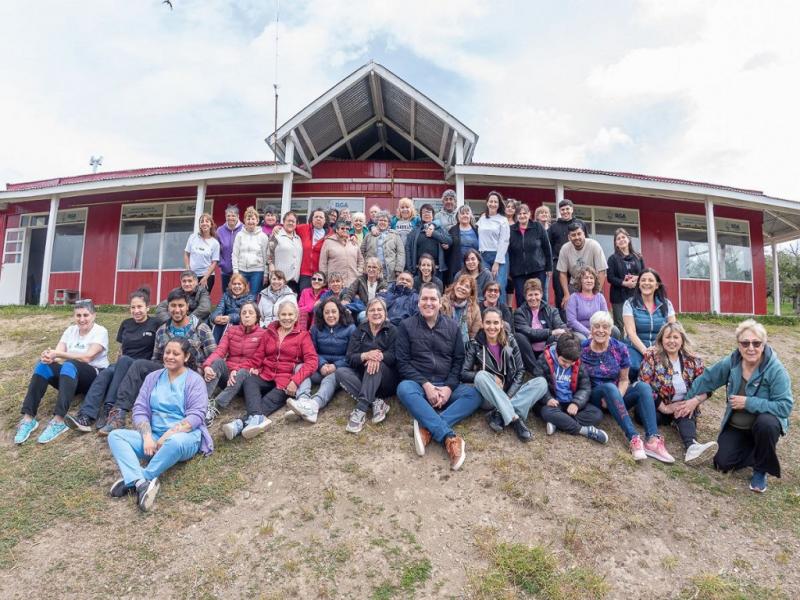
{"x": 655, "y": 448}
{"x": 637, "y": 448}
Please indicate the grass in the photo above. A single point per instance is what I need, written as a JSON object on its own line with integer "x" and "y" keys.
{"x": 718, "y": 587}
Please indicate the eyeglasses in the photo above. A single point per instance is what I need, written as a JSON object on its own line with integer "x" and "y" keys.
{"x": 753, "y": 343}
{"x": 492, "y": 291}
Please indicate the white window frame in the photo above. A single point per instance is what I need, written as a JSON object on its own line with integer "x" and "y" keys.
{"x": 42, "y": 219}
{"x": 551, "y": 206}
{"x": 330, "y": 200}
{"x": 717, "y": 220}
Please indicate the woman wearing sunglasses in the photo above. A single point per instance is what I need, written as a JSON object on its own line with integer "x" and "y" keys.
{"x": 759, "y": 402}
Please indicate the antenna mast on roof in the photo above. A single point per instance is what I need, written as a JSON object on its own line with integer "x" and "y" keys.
{"x": 275, "y": 80}
{"x": 95, "y": 162}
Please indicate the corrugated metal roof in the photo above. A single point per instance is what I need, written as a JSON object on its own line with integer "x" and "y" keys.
{"x": 639, "y": 176}
{"x": 128, "y": 173}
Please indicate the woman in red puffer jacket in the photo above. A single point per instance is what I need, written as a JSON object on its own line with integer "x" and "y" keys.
{"x": 229, "y": 365}
{"x": 285, "y": 357}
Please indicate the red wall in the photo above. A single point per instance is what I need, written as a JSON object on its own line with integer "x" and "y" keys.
{"x": 128, "y": 281}
{"x": 66, "y": 281}
{"x": 100, "y": 253}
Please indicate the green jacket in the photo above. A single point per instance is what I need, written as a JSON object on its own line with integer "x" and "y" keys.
{"x": 768, "y": 391}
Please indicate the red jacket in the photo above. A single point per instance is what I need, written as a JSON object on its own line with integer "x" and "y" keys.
{"x": 277, "y": 360}
{"x": 310, "y": 262}
{"x": 238, "y": 347}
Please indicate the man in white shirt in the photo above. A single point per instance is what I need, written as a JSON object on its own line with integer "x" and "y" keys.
{"x": 580, "y": 252}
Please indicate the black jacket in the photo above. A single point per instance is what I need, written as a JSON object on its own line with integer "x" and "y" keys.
{"x": 529, "y": 253}
{"x": 558, "y": 234}
{"x": 362, "y": 340}
{"x": 548, "y": 317}
{"x": 581, "y": 385}
{"x": 453, "y": 253}
{"x": 358, "y": 289}
{"x": 618, "y": 267}
{"x": 479, "y": 358}
{"x": 426, "y": 354}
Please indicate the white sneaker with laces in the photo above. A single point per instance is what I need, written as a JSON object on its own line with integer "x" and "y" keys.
{"x": 699, "y": 454}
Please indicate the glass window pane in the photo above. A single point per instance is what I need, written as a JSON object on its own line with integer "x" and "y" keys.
{"x": 604, "y": 234}
{"x": 67, "y": 248}
{"x": 693, "y": 254}
{"x": 138, "y": 244}
{"x": 735, "y": 260}
{"x": 181, "y": 209}
{"x": 176, "y": 233}
{"x": 138, "y": 211}
{"x": 620, "y": 216}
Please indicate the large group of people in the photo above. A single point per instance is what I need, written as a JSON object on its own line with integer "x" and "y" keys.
{"x": 414, "y": 307}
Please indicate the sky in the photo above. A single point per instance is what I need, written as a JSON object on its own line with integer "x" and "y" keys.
{"x": 699, "y": 90}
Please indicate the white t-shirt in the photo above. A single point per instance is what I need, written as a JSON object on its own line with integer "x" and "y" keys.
{"x": 678, "y": 384}
{"x": 201, "y": 253}
{"x": 572, "y": 261}
{"x": 97, "y": 335}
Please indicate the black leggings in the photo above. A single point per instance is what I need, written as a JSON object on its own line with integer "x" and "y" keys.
{"x": 69, "y": 378}
{"x": 756, "y": 447}
{"x": 262, "y": 397}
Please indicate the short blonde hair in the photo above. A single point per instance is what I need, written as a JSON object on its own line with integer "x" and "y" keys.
{"x": 410, "y": 203}
{"x": 359, "y": 215}
{"x": 754, "y": 326}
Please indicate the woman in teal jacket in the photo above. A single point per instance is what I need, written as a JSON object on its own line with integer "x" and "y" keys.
{"x": 759, "y": 401}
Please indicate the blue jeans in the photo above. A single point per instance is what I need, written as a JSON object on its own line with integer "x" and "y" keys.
{"x": 520, "y": 404}
{"x": 502, "y": 274}
{"x": 103, "y": 391}
{"x": 127, "y": 448}
{"x": 464, "y": 401}
{"x": 326, "y": 391}
{"x": 638, "y": 395}
{"x": 255, "y": 279}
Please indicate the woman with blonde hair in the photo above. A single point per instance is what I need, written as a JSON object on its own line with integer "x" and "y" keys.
{"x": 460, "y": 301}
{"x": 670, "y": 367}
{"x": 250, "y": 249}
{"x": 759, "y": 402}
{"x": 201, "y": 254}
{"x": 406, "y": 218}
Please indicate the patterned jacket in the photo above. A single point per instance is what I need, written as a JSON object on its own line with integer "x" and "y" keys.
{"x": 659, "y": 377}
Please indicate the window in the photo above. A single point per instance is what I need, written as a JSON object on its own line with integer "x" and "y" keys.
{"x": 68, "y": 241}
{"x": 298, "y": 206}
{"x": 603, "y": 222}
{"x": 152, "y": 236}
{"x": 733, "y": 249}
{"x": 14, "y": 246}
{"x": 302, "y": 207}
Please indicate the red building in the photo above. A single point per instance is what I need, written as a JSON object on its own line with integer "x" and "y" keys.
{"x": 372, "y": 139}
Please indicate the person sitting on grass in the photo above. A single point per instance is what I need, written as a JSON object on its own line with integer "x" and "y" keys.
{"x": 494, "y": 365}
{"x": 227, "y": 311}
{"x": 285, "y": 357}
{"x": 70, "y": 367}
{"x": 229, "y": 365}
{"x": 196, "y": 295}
{"x": 426, "y": 269}
{"x": 759, "y": 402}
{"x": 670, "y": 367}
{"x": 272, "y": 296}
{"x": 566, "y": 406}
{"x": 430, "y": 355}
{"x": 402, "y": 301}
{"x": 536, "y": 325}
{"x": 136, "y": 337}
{"x": 169, "y": 426}
{"x": 587, "y": 300}
{"x": 181, "y": 324}
{"x": 330, "y": 333}
{"x": 607, "y": 362}
{"x": 491, "y": 299}
{"x": 369, "y": 376}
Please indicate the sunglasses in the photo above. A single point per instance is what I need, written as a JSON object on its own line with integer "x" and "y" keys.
{"x": 492, "y": 291}
{"x": 317, "y": 279}
{"x": 753, "y": 343}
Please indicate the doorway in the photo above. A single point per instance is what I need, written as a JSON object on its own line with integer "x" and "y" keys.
{"x": 33, "y": 285}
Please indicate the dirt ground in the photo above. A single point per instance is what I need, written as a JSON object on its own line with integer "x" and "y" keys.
{"x": 313, "y": 512}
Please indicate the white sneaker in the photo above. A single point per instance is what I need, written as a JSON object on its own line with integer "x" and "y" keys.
{"x": 550, "y": 429}
{"x": 379, "y": 410}
{"x": 699, "y": 454}
{"x": 255, "y": 425}
{"x": 304, "y": 407}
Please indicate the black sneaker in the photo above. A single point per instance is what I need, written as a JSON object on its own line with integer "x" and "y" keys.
{"x": 79, "y": 423}
{"x": 495, "y": 421}
{"x": 146, "y": 492}
{"x": 523, "y": 433}
{"x": 101, "y": 419}
{"x": 119, "y": 489}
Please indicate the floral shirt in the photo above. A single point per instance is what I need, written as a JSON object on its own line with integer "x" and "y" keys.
{"x": 659, "y": 377}
{"x": 605, "y": 366}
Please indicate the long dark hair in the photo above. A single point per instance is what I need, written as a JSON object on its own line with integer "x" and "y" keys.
{"x": 660, "y": 294}
{"x": 501, "y": 207}
{"x": 464, "y": 261}
{"x": 186, "y": 348}
{"x": 631, "y": 249}
{"x": 344, "y": 314}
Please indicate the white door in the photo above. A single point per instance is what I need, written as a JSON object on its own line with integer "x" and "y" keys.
{"x": 12, "y": 275}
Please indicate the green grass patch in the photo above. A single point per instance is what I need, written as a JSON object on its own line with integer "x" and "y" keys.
{"x": 717, "y": 587}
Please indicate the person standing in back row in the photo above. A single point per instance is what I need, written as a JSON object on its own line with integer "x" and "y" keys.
{"x": 493, "y": 237}
{"x": 225, "y": 235}
{"x": 558, "y": 236}
{"x": 624, "y": 268}
{"x": 580, "y": 252}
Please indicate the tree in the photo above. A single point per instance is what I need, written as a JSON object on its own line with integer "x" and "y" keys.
{"x": 789, "y": 266}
